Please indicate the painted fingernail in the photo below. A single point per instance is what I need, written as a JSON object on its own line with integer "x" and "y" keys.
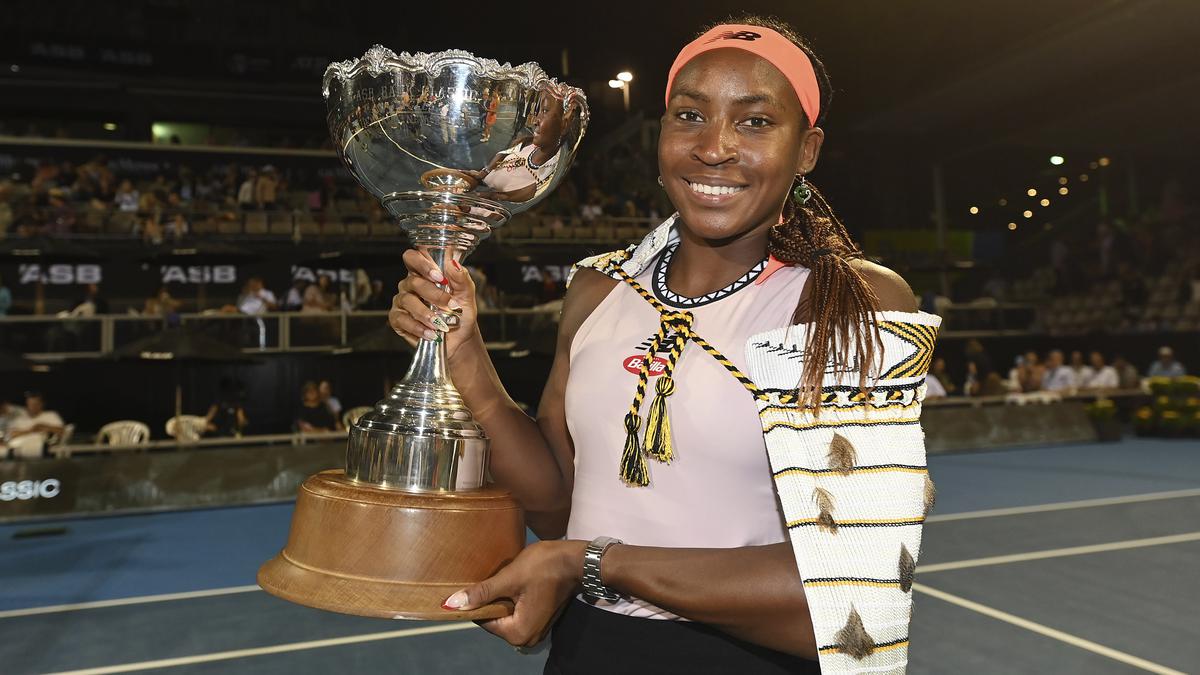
{"x": 456, "y": 265}
{"x": 436, "y": 276}
{"x": 429, "y": 334}
{"x": 439, "y": 323}
{"x": 454, "y": 304}
{"x": 455, "y": 601}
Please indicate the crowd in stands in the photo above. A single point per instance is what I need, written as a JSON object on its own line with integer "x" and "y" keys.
{"x": 29, "y": 431}
{"x": 100, "y": 196}
{"x": 1052, "y": 372}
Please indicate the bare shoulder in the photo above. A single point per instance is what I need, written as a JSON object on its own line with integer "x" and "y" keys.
{"x": 893, "y": 291}
{"x": 587, "y": 290}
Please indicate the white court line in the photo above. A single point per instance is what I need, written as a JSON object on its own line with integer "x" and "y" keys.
{"x": 273, "y": 649}
{"x": 1060, "y": 552}
{"x": 1062, "y": 506}
{"x": 1049, "y": 632}
{"x": 137, "y": 600}
{"x": 1037, "y": 508}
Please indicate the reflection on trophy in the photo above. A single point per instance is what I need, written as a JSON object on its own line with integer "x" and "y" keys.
{"x": 452, "y": 145}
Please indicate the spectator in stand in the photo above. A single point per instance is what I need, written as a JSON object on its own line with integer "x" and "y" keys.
{"x": 27, "y": 434}
{"x": 1166, "y": 365}
{"x": 246, "y": 193}
{"x": 226, "y": 416}
{"x": 5, "y": 298}
{"x": 944, "y": 380}
{"x": 979, "y": 366}
{"x": 319, "y": 297}
{"x": 1032, "y": 374}
{"x": 294, "y": 300}
{"x": 313, "y": 415}
{"x": 1058, "y": 377}
{"x": 377, "y": 299}
{"x": 1080, "y": 371}
{"x": 152, "y": 231}
{"x": 591, "y": 209}
{"x": 177, "y": 226}
{"x": 91, "y": 304}
{"x": 326, "y": 390}
{"x": 149, "y": 206}
{"x": 61, "y": 216}
{"x": 255, "y": 301}
{"x": 933, "y": 386}
{"x": 161, "y": 304}
{"x": 9, "y": 413}
{"x": 265, "y": 189}
{"x": 1102, "y": 376}
{"x": 127, "y": 198}
{"x": 256, "y": 298}
{"x": 1127, "y": 373}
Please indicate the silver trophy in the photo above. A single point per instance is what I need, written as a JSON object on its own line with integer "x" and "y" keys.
{"x": 452, "y": 145}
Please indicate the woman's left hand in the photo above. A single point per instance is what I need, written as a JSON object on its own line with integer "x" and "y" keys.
{"x": 539, "y": 582}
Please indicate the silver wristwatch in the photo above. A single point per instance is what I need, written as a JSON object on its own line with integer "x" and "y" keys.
{"x": 593, "y": 585}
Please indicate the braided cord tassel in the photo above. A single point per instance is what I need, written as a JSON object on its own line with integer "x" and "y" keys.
{"x": 658, "y": 425}
{"x": 634, "y": 471}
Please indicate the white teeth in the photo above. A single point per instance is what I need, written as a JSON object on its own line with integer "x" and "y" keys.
{"x": 715, "y": 189}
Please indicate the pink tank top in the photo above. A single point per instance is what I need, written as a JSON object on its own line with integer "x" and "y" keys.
{"x": 717, "y": 492}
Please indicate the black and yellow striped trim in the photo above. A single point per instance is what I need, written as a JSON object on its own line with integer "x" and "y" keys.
{"x": 853, "y": 581}
{"x": 875, "y": 468}
{"x": 919, "y": 336}
{"x": 864, "y": 407}
{"x": 861, "y": 522}
{"x": 826, "y": 424}
{"x": 886, "y": 646}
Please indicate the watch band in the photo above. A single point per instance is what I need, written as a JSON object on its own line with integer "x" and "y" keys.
{"x": 593, "y": 585}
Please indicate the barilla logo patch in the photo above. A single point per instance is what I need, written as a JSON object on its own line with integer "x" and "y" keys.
{"x": 748, "y": 36}
{"x": 634, "y": 364}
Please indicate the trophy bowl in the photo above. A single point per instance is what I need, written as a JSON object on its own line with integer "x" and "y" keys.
{"x": 452, "y": 145}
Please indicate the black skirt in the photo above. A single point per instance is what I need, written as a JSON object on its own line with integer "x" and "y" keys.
{"x": 587, "y": 640}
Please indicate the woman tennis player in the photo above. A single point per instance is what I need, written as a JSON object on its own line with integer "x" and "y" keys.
{"x": 727, "y": 468}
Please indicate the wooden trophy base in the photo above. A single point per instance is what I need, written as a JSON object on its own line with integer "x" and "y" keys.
{"x": 363, "y": 550}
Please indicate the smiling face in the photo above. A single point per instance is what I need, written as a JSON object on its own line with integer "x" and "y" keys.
{"x": 733, "y": 138}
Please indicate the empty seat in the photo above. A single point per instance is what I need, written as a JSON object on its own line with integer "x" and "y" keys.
{"x": 123, "y": 432}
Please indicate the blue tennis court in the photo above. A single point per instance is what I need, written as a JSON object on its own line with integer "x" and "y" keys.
{"x": 1067, "y": 559}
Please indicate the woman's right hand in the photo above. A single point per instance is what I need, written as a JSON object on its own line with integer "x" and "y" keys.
{"x": 411, "y": 317}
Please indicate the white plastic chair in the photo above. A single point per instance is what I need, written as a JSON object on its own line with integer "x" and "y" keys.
{"x": 190, "y": 427}
{"x": 351, "y": 416}
{"x": 123, "y": 432}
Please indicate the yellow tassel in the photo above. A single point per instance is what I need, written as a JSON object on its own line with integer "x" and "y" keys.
{"x": 658, "y": 424}
{"x": 908, "y": 568}
{"x": 634, "y": 471}
{"x": 930, "y": 494}
{"x": 841, "y": 454}
{"x": 825, "y": 521}
{"x": 853, "y": 639}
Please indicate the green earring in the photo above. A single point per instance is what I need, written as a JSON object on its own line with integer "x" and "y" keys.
{"x": 802, "y": 193}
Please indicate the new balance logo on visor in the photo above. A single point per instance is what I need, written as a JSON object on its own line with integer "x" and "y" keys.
{"x": 748, "y": 36}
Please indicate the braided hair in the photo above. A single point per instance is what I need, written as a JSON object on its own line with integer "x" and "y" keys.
{"x": 840, "y": 302}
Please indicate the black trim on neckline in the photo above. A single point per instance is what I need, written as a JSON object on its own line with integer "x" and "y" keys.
{"x": 658, "y": 283}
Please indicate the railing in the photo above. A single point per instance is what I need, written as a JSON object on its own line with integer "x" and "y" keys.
{"x": 344, "y": 219}
{"x": 75, "y": 449}
{"x": 44, "y": 338}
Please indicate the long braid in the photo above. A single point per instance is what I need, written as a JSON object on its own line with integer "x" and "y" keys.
{"x": 841, "y": 302}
